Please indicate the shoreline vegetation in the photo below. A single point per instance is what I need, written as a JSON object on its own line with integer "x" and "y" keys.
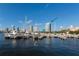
{"x": 64, "y": 31}
{"x": 67, "y": 31}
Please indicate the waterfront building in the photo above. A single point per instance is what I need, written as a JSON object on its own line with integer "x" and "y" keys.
{"x": 7, "y": 30}
{"x": 30, "y": 28}
{"x": 18, "y": 29}
{"x": 72, "y": 28}
{"x": 14, "y": 28}
{"x": 48, "y": 27}
{"x": 36, "y": 29}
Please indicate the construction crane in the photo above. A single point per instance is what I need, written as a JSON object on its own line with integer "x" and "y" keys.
{"x": 52, "y": 22}
{"x": 53, "y": 19}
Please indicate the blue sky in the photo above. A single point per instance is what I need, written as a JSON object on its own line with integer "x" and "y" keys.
{"x": 14, "y": 14}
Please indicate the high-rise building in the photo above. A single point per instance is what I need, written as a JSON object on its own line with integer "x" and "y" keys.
{"x": 31, "y": 28}
{"x": 48, "y": 27}
{"x": 18, "y": 29}
{"x": 36, "y": 29}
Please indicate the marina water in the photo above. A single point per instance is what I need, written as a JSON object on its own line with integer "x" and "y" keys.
{"x": 43, "y": 47}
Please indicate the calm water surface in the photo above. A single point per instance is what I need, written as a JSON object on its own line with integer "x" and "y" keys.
{"x": 44, "y": 47}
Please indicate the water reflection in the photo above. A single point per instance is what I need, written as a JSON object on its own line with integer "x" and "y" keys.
{"x": 35, "y": 43}
{"x": 14, "y": 42}
{"x": 47, "y": 41}
{"x": 46, "y": 46}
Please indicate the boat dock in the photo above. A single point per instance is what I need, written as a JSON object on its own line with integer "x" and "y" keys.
{"x": 24, "y": 36}
{"x": 14, "y": 35}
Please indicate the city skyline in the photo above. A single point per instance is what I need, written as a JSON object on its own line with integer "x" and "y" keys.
{"x": 39, "y": 14}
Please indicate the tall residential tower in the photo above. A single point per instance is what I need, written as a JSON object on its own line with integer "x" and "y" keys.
{"x": 48, "y": 27}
